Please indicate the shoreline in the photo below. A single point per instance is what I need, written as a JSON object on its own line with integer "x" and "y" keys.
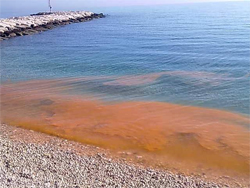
{"x": 56, "y": 162}
{"x": 35, "y": 23}
{"x": 168, "y": 137}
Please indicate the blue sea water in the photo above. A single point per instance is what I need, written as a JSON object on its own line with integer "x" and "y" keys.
{"x": 203, "y": 51}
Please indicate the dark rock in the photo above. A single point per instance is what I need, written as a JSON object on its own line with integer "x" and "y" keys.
{"x": 72, "y": 20}
{"x": 75, "y": 21}
{"x": 41, "y": 13}
{"x": 65, "y": 23}
{"x": 16, "y": 30}
{"x": 21, "y": 28}
{"x": 7, "y": 33}
{"x": 26, "y": 33}
{"x": 29, "y": 32}
{"x": 50, "y": 26}
{"x": 95, "y": 15}
{"x": 56, "y": 23}
{"x": 19, "y": 34}
{"x": 2, "y": 35}
{"x": 43, "y": 25}
{"x": 101, "y": 15}
{"x": 40, "y": 29}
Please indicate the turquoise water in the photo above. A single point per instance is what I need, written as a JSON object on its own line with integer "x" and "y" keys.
{"x": 201, "y": 51}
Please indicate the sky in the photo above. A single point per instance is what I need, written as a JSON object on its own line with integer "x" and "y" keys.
{"x": 94, "y": 3}
{"x": 8, "y": 7}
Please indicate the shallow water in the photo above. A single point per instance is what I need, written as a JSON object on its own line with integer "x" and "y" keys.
{"x": 205, "y": 138}
{"x": 206, "y": 44}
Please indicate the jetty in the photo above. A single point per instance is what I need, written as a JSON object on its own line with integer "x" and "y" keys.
{"x": 43, "y": 21}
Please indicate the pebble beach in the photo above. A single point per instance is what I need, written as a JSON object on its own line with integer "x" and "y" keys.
{"x": 31, "y": 159}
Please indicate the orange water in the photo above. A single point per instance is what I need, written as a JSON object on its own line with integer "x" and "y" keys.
{"x": 184, "y": 137}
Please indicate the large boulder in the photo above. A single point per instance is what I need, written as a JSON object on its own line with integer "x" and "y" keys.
{"x": 12, "y": 35}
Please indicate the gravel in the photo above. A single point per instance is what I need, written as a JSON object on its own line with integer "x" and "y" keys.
{"x": 54, "y": 162}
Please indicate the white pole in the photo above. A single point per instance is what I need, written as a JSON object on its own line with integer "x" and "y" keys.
{"x": 50, "y": 7}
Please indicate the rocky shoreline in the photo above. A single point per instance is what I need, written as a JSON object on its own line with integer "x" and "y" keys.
{"x": 35, "y": 23}
{"x": 32, "y": 159}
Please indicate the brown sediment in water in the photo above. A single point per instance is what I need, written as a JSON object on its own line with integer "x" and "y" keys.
{"x": 174, "y": 136}
{"x": 199, "y": 76}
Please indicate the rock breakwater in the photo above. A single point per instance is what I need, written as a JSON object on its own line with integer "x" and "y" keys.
{"x": 35, "y": 23}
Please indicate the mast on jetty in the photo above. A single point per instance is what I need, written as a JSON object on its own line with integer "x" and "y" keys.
{"x": 50, "y": 7}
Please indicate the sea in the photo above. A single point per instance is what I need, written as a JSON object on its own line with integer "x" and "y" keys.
{"x": 189, "y": 54}
{"x": 163, "y": 86}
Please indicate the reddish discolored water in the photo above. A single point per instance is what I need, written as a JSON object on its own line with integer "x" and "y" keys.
{"x": 186, "y": 138}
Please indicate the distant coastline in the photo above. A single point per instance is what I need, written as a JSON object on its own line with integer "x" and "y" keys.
{"x": 43, "y": 21}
